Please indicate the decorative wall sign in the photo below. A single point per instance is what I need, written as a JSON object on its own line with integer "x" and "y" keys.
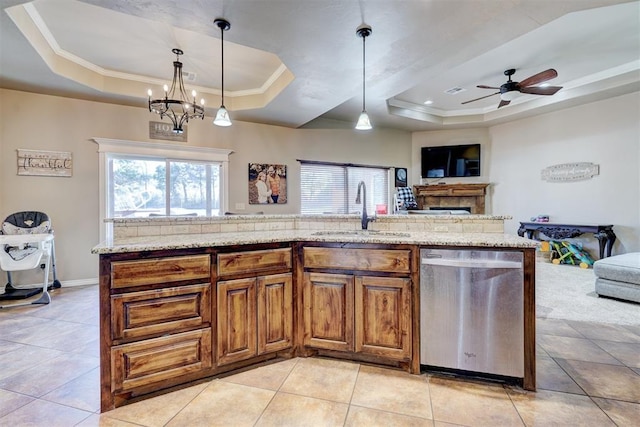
{"x": 164, "y": 130}
{"x": 267, "y": 184}
{"x": 45, "y": 163}
{"x": 567, "y": 172}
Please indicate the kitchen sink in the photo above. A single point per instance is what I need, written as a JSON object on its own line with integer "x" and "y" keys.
{"x": 363, "y": 233}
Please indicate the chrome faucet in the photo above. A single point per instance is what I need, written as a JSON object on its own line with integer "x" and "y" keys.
{"x": 365, "y": 218}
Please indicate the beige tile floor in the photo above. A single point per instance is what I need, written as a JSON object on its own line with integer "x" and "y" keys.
{"x": 588, "y": 375}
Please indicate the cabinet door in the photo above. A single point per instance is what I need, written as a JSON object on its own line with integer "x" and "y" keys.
{"x": 275, "y": 312}
{"x": 383, "y": 316}
{"x": 236, "y": 319}
{"x": 328, "y": 311}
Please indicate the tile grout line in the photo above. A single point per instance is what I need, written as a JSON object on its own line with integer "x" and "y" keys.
{"x": 433, "y": 414}
{"x": 297, "y": 359}
{"x": 353, "y": 390}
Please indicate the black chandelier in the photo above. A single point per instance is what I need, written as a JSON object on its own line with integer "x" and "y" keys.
{"x": 176, "y": 104}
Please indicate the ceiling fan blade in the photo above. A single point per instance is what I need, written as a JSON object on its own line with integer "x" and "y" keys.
{"x": 482, "y": 97}
{"x": 539, "y": 78}
{"x": 503, "y": 103}
{"x": 487, "y": 87}
{"x": 533, "y": 90}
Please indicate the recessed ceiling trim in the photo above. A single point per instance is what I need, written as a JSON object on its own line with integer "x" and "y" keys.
{"x": 633, "y": 66}
{"x": 604, "y": 84}
{"x": 31, "y": 24}
{"x": 278, "y": 73}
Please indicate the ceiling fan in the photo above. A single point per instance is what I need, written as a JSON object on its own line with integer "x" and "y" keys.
{"x": 511, "y": 90}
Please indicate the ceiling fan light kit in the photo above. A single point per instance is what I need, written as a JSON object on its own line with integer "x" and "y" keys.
{"x": 222, "y": 116}
{"x": 176, "y": 104}
{"x": 364, "y": 123}
{"x": 512, "y": 90}
{"x": 510, "y": 96}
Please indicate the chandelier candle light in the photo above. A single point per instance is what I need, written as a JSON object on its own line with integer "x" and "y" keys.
{"x": 176, "y": 104}
{"x": 364, "y": 123}
{"x": 222, "y": 117}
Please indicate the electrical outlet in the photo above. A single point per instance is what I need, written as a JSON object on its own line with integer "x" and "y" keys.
{"x": 239, "y": 206}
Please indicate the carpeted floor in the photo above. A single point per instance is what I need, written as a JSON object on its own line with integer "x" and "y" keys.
{"x": 568, "y": 292}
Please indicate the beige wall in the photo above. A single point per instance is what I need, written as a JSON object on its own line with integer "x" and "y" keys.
{"x": 606, "y": 133}
{"x": 40, "y": 122}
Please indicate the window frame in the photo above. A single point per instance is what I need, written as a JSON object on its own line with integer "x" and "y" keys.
{"x": 346, "y": 187}
{"x": 164, "y": 151}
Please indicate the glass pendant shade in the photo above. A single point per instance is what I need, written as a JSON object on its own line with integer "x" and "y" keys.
{"x": 363, "y": 122}
{"x": 222, "y": 117}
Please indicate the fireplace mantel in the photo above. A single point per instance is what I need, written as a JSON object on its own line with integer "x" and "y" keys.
{"x": 451, "y": 196}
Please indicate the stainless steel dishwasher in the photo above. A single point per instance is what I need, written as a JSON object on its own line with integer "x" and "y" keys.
{"x": 472, "y": 311}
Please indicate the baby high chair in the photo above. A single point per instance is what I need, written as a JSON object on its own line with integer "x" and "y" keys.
{"x": 26, "y": 243}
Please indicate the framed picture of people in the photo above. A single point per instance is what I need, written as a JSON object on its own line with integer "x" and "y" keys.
{"x": 267, "y": 184}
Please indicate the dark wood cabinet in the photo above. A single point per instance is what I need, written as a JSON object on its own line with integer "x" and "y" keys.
{"x": 137, "y": 315}
{"x": 171, "y": 317}
{"x": 368, "y": 314}
{"x": 275, "y": 312}
{"x": 141, "y": 364}
{"x": 155, "y": 323}
{"x": 254, "y": 316}
{"x": 236, "y": 320}
{"x": 255, "y": 312}
{"x": 383, "y": 316}
{"x": 328, "y": 311}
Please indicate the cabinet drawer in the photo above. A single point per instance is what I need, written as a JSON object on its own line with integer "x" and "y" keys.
{"x": 155, "y": 312}
{"x": 152, "y": 361}
{"x": 159, "y": 270}
{"x": 388, "y": 260}
{"x": 252, "y": 262}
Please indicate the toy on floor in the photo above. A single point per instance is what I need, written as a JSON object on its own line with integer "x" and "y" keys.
{"x": 564, "y": 252}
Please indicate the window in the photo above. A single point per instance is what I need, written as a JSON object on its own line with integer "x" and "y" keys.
{"x": 329, "y": 188}
{"x": 154, "y": 178}
{"x": 143, "y": 187}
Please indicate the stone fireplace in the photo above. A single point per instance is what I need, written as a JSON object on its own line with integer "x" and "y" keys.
{"x": 451, "y": 196}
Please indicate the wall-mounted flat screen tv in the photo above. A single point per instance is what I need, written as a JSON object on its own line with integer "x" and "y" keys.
{"x": 450, "y": 161}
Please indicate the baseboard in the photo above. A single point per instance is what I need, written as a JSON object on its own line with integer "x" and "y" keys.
{"x": 65, "y": 283}
{"x": 78, "y": 282}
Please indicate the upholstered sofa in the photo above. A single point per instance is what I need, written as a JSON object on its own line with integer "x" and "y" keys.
{"x": 619, "y": 276}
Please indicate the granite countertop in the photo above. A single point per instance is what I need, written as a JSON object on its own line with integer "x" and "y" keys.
{"x": 137, "y": 244}
{"x": 303, "y": 217}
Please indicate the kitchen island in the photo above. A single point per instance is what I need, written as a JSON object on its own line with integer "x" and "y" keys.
{"x": 184, "y": 299}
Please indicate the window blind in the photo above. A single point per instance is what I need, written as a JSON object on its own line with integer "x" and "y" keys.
{"x": 332, "y": 188}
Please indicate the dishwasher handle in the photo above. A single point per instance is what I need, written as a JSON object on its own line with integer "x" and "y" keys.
{"x": 471, "y": 263}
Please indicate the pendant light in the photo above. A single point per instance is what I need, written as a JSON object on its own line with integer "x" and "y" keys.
{"x": 364, "y": 123}
{"x": 222, "y": 117}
